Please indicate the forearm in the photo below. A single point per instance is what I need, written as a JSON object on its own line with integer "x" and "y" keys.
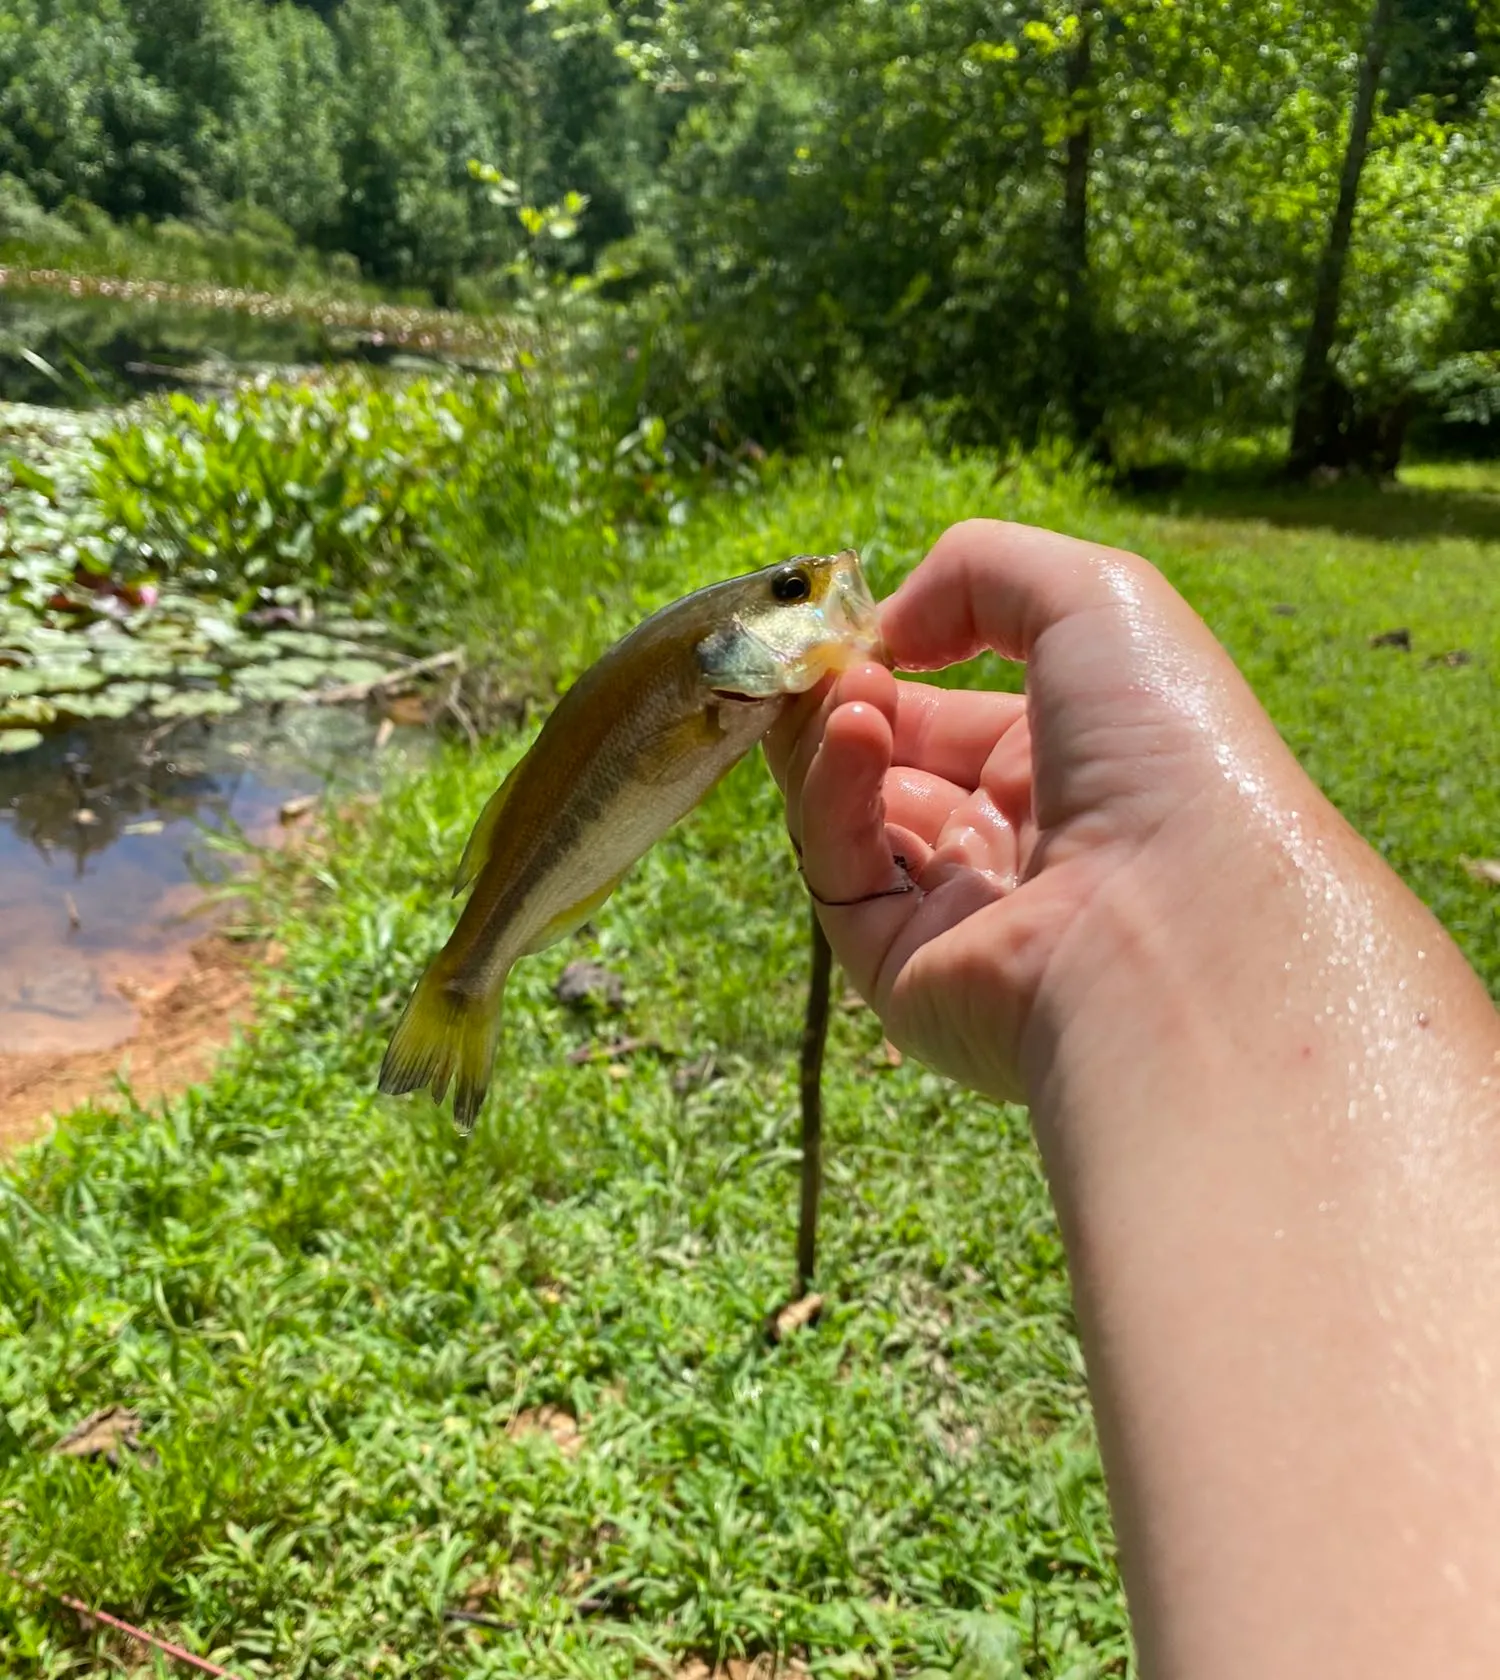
{"x": 1274, "y": 1142}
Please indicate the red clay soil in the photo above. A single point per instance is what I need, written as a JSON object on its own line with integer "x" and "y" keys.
{"x": 184, "y": 1024}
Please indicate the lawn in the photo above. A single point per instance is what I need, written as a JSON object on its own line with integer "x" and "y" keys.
{"x": 386, "y": 1375}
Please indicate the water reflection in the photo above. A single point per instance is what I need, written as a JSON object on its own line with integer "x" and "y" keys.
{"x": 98, "y": 348}
{"x": 104, "y": 854}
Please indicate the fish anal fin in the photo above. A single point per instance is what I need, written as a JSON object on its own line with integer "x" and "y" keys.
{"x": 482, "y": 841}
{"x": 570, "y": 920}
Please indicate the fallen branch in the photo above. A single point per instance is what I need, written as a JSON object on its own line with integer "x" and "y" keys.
{"x": 453, "y": 704}
{"x": 610, "y": 1052}
{"x": 350, "y": 692}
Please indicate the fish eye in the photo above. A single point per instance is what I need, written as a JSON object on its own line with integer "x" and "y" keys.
{"x": 791, "y": 585}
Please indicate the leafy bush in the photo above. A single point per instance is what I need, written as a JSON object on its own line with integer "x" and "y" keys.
{"x": 355, "y": 487}
{"x": 316, "y": 487}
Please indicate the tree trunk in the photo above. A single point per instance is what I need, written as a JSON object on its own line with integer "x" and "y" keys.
{"x": 1317, "y": 421}
{"x": 1081, "y": 343}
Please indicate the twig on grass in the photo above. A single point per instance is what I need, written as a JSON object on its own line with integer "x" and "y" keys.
{"x": 104, "y": 1619}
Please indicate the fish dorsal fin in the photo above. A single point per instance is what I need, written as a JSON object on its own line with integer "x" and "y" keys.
{"x": 482, "y": 840}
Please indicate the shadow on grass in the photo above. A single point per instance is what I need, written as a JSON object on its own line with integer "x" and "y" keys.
{"x": 1400, "y": 512}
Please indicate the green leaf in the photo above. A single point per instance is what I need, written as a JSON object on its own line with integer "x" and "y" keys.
{"x": 195, "y": 702}
{"x": 992, "y": 1650}
{"x": 18, "y": 740}
{"x": 29, "y": 478}
{"x": 26, "y": 710}
{"x": 22, "y": 680}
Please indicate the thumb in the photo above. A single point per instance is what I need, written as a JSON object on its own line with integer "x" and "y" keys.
{"x": 988, "y": 585}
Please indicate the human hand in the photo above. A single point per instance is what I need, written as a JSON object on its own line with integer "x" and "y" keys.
{"x": 1044, "y": 837}
{"x": 1265, "y": 1085}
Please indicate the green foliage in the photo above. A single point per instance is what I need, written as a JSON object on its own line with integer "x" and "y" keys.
{"x": 351, "y": 126}
{"x": 1104, "y": 222}
{"x": 243, "y": 245}
{"x": 327, "y": 488}
{"x": 408, "y": 124}
{"x": 1017, "y": 213}
{"x": 136, "y": 548}
{"x": 85, "y": 635}
{"x": 376, "y": 490}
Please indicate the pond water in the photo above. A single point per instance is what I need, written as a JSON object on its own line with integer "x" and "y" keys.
{"x": 107, "y": 853}
{"x": 85, "y": 342}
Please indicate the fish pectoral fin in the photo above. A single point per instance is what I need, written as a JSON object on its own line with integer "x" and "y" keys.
{"x": 445, "y": 1036}
{"x": 570, "y": 920}
{"x": 482, "y": 841}
{"x": 663, "y": 753}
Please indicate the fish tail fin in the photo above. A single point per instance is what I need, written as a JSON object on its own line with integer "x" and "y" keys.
{"x": 446, "y": 1036}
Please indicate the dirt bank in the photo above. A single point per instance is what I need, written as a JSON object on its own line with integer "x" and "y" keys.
{"x": 185, "y": 1021}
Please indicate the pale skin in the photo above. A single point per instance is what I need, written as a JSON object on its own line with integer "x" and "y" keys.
{"x": 1265, "y": 1084}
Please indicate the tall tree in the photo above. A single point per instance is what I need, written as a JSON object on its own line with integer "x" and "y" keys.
{"x": 1319, "y": 421}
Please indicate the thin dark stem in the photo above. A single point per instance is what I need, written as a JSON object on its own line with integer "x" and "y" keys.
{"x": 814, "y": 1038}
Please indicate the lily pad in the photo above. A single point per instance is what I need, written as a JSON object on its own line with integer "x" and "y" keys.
{"x": 117, "y": 701}
{"x": 305, "y": 641}
{"x": 247, "y": 652}
{"x": 164, "y": 633}
{"x": 19, "y": 740}
{"x": 355, "y": 627}
{"x": 28, "y": 680}
{"x": 261, "y": 683}
{"x": 27, "y": 711}
{"x": 75, "y": 679}
{"x": 138, "y": 663}
{"x": 303, "y": 672}
{"x": 356, "y": 671}
{"x": 219, "y": 632}
{"x": 195, "y": 702}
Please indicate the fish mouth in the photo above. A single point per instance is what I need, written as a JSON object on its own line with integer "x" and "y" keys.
{"x": 852, "y": 616}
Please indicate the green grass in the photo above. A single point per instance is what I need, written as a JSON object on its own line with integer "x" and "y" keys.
{"x": 327, "y": 1309}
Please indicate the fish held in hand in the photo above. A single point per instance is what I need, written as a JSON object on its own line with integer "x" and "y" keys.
{"x": 630, "y": 749}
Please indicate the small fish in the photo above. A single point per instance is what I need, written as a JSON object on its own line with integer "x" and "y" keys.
{"x": 629, "y": 750}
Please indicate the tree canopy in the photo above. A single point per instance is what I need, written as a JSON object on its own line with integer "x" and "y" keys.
{"x": 1123, "y": 223}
